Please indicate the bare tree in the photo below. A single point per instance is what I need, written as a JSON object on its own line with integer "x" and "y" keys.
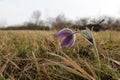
{"x": 82, "y": 22}
{"x": 36, "y": 17}
{"x": 61, "y": 22}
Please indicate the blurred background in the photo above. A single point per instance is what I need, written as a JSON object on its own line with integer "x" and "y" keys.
{"x": 57, "y": 14}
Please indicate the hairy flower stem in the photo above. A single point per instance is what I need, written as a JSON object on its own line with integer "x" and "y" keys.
{"x": 97, "y": 57}
{"x": 96, "y": 51}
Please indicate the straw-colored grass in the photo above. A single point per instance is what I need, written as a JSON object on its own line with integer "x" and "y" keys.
{"x": 37, "y": 55}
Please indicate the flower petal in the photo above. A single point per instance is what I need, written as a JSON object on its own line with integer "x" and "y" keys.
{"x": 67, "y": 40}
{"x": 72, "y": 42}
{"x": 63, "y": 33}
{"x": 67, "y": 36}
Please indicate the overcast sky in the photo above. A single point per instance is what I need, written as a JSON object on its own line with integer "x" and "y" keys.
{"x": 17, "y": 11}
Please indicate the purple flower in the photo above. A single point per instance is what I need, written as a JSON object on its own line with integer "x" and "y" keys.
{"x": 67, "y": 36}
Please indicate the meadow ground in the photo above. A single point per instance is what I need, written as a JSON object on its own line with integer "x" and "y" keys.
{"x": 37, "y": 55}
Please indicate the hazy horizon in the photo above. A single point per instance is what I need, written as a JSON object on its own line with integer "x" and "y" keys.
{"x": 14, "y": 12}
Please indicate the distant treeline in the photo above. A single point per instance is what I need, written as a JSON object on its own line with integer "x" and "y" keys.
{"x": 27, "y": 27}
{"x": 100, "y": 23}
{"x": 59, "y": 22}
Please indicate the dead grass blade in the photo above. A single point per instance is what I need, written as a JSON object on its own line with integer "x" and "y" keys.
{"x": 46, "y": 72}
{"x": 74, "y": 71}
{"x": 36, "y": 63}
{"x": 3, "y": 67}
{"x": 72, "y": 63}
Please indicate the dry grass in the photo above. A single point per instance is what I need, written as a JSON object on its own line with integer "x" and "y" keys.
{"x": 28, "y": 55}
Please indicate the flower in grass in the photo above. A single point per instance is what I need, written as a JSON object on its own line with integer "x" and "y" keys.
{"x": 67, "y": 36}
{"x": 88, "y": 35}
